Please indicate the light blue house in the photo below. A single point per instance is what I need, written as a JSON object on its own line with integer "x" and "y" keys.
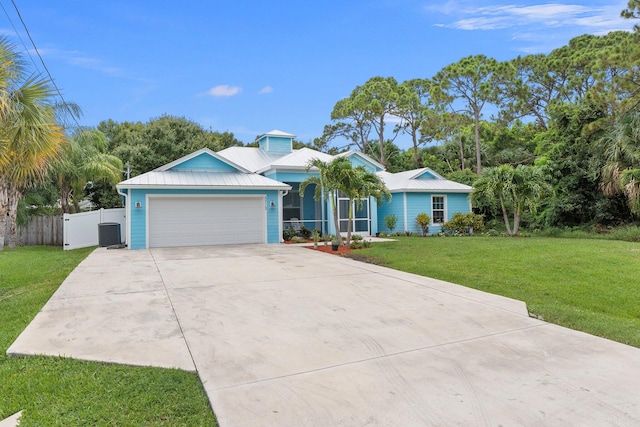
{"x": 251, "y": 194}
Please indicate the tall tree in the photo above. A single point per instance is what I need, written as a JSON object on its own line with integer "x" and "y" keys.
{"x": 417, "y": 109}
{"x": 370, "y": 103}
{"x": 353, "y": 124}
{"x": 29, "y": 134}
{"x": 472, "y": 81}
{"x": 632, "y": 12}
{"x": 538, "y": 82}
{"x": 146, "y": 146}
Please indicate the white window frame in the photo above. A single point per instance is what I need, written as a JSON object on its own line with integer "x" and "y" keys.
{"x": 444, "y": 209}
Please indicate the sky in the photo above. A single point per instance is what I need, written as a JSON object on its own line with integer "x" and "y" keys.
{"x": 249, "y": 67}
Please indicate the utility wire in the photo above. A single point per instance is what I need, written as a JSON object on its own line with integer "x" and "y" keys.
{"x": 71, "y": 113}
{"x": 26, "y": 49}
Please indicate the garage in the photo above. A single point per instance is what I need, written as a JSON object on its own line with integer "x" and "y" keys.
{"x": 206, "y": 220}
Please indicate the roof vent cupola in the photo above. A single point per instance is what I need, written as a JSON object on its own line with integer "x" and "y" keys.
{"x": 276, "y": 142}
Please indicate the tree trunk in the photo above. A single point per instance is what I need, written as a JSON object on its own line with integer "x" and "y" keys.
{"x": 383, "y": 160}
{"x": 462, "y": 166}
{"x": 416, "y": 161}
{"x": 13, "y": 197}
{"x": 4, "y": 209}
{"x": 65, "y": 193}
{"x": 334, "y": 207}
{"x": 516, "y": 223}
{"x": 349, "y": 223}
{"x": 478, "y": 148}
{"x": 505, "y": 215}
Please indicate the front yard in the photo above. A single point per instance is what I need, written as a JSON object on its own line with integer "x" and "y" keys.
{"x": 65, "y": 392}
{"x": 588, "y": 285}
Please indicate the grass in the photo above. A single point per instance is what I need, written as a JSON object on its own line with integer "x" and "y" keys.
{"x": 56, "y": 391}
{"x": 584, "y": 284}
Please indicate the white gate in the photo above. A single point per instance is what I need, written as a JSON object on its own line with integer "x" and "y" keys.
{"x": 81, "y": 229}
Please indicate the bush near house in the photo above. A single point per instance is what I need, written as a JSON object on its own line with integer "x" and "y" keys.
{"x": 288, "y": 234}
{"x": 423, "y": 221}
{"x": 464, "y": 224}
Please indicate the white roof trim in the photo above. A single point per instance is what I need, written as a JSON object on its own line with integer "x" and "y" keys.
{"x": 202, "y": 187}
{"x": 277, "y": 132}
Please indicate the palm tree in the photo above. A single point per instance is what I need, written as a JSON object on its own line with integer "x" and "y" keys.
{"x": 621, "y": 173}
{"x": 515, "y": 190}
{"x": 29, "y": 135}
{"x": 358, "y": 185}
{"x": 328, "y": 183}
{"x": 81, "y": 160}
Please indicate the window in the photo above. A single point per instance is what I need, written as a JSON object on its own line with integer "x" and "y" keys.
{"x": 291, "y": 205}
{"x": 437, "y": 209}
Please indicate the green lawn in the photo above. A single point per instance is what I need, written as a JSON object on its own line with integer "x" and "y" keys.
{"x": 588, "y": 285}
{"x": 63, "y": 392}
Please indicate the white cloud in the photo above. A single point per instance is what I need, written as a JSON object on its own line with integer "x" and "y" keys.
{"x": 223, "y": 90}
{"x": 265, "y": 90}
{"x": 79, "y": 59}
{"x": 537, "y": 23}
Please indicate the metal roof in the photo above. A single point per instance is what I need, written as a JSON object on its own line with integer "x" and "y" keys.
{"x": 298, "y": 159}
{"x": 202, "y": 179}
{"x": 250, "y": 158}
{"x": 407, "y": 181}
{"x": 277, "y": 132}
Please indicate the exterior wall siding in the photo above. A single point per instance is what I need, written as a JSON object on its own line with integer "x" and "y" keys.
{"x": 415, "y": 204}
{"x": 394, "y": 207}
{"x": 204, "y": 162}
{"x": 457, "y": 203}
{"x": 138, "y": 217}
{"x": 275, "y": 144}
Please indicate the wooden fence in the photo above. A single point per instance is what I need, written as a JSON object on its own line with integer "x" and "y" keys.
{"x": 41, "y": 230}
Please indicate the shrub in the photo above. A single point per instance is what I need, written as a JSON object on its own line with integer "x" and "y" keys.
{"x": 356, "y": 237}
{"x": 288, "y": 234}
{"x": 390, "y": 221}
{"x": 463, "y": 224}
{"x": 296, "y": 239}
{"x": 382, "y": 234}
{"x": 305, "y": 232}
{"x": 423, "y": 221}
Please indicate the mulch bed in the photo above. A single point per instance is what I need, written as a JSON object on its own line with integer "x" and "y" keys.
{"x": 342, "y": 250}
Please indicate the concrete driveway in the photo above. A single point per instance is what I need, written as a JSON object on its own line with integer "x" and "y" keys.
{"x": 286, "y": 336}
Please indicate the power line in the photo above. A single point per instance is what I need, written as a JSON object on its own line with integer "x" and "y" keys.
{"x": 26, "y": 49}
{"x": 71, "y": 113}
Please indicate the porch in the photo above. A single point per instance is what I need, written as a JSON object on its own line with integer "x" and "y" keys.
{"x": 303, "y": 210}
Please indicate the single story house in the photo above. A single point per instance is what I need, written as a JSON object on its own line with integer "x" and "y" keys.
{"x": 251, "y": 194}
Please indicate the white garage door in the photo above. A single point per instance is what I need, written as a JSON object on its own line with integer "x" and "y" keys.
{"x": 210, "y": 220}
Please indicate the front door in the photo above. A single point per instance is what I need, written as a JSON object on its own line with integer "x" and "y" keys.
{"x": 361, "y": 219}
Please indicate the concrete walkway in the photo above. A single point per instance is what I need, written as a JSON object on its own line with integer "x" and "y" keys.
{"x": 286, "y": 336}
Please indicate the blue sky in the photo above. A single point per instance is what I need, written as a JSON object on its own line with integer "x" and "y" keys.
{"x": 251, "y": 66}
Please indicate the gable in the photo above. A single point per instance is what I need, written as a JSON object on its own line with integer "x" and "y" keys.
{"x": 358, "y": 159}
{"x": 204, "y": 162}
{"x": 428, "y": 174}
